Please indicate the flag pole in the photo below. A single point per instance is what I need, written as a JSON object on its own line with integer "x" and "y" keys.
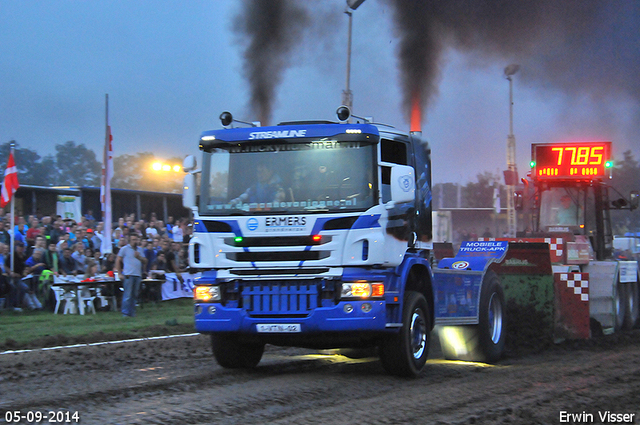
{"x": 105, "y": 189}
{"x": 13, "y": 215}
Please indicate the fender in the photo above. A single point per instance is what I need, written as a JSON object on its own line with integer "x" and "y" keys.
{"x": 402, "y": 272}
{"x": 398, "y": 285}
{"x": 458, "y": 282}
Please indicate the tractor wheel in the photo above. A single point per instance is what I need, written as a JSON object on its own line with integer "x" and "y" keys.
{"x": 632, "y": 308}
{"x": 405, "y": 353}
{"x": 620, "y": 301}
{"x": 231, "y": 354}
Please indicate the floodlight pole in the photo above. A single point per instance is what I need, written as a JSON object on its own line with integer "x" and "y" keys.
{"x": 347, "y": 95}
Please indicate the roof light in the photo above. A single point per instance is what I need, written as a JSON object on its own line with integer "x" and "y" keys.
{"x": 353, "y": 131}
{"x": 608, "y": 164}
{"x": 208, "y": 138}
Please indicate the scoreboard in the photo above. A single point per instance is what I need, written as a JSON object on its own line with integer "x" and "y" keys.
{"x": 571, "y": 161}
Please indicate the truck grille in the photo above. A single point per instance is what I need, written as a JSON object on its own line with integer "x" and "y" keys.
{"x": 280, "y": 298}
{"x": 278, "y": 256}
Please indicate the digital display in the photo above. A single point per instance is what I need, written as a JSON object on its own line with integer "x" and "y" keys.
{"x": 570, "y": 161}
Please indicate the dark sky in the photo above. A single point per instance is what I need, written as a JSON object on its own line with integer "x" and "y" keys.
{"x": 171, "y": 67}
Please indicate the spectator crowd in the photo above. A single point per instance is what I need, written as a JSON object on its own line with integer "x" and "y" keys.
{"x": 62, "y": 247}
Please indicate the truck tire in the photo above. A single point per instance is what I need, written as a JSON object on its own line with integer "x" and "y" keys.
{"x": 492, "y": 319}
{"x": 485, "y": 341}
{"x": 632, "y": 310}
{"x": 231, "y": 354}
{"x": 620, "y": 301}
{"x": 405, "y": 353}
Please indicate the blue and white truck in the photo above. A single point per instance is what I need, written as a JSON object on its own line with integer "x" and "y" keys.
{"x": 318, "y": 234}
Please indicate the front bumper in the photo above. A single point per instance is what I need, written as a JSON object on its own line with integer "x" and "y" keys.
{"x": 215, "y": 317}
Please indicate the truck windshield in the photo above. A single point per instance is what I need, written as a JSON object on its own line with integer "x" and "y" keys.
{"x": 561, "y": 206}
{"x": 289, "y": 178}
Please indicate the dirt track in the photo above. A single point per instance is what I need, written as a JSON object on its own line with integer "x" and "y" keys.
{"x": 176, "y": 381}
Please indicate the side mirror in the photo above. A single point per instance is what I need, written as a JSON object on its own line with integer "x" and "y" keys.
{"x": 403, "y": 184}
{"x": 634, "y": 196}
{"x": 189, "y": 191}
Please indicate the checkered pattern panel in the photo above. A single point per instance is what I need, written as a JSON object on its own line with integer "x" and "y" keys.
{"x": 556, "y": 247}
{"x": 579, "y": 285}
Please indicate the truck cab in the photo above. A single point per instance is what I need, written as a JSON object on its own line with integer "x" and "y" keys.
{"x": 316, "y": 234}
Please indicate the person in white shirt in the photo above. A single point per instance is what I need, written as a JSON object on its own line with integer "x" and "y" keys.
{"x": 178, "y": 234}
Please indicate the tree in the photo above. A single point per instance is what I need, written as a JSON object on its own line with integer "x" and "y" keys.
{"x": 625, "y": 178}
{"x": 77, "y": 165}
{"x": 480, "y": 193}
{"x": 32, "y": 169}
{"x": 136, "y": 172}
{"x": 445, "y": 195}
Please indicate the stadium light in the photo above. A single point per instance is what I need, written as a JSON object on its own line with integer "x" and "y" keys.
{"x": 161, "y": 166}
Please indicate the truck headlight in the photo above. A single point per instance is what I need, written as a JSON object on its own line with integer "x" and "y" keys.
{"x": 207, "y": 294}
{"x": 362, "y": 290}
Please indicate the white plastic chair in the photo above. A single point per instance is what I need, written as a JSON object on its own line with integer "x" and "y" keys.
{"x": 85, "y": 300}
{"x": 69, "y": 298}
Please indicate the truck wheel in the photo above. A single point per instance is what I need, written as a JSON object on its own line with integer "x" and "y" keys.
{"x": 483, "y": 342}
{"x": 632, "y": 311}
{"x": 405, "y": 353}
{"x": 231, "y": 354}
{"x": 492, "y": 326}
{"x": 620, "y": 302}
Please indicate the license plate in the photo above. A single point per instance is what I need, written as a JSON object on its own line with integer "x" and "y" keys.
{"x": 278, "y": 328}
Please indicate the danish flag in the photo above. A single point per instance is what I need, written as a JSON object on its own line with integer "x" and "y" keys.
{"x": 10, "y": 184}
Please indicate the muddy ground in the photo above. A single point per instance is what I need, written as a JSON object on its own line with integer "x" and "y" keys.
{"x": 176, "y": 381}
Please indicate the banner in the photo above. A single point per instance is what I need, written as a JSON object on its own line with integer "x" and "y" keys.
{"x": 172, "y": 288}
{"x": 68, "y": 206}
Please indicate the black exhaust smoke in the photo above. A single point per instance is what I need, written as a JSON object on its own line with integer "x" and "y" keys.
{"x": 581, "y": 47}
{"x": 270, "y": 28}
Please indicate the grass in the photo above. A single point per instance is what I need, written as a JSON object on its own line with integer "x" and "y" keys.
{"x": 34, "y": 329}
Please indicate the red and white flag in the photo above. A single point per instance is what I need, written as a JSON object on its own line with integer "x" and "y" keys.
{"x": 10, "y": 184}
